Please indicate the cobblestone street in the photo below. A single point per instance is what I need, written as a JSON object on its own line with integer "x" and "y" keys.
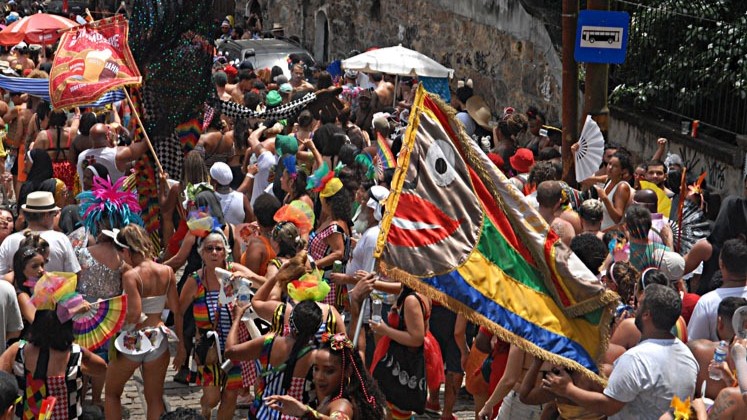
{"x": 178, "y": 395}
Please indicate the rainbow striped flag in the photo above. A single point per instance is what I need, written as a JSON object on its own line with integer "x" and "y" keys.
{"x": 384, "y": 153}
{"x": 458, "y": 231}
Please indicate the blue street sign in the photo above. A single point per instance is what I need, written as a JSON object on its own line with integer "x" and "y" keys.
{"x": 601, "y": 37}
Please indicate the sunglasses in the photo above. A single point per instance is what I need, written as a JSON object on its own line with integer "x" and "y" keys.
{"x": 214, "y": 249}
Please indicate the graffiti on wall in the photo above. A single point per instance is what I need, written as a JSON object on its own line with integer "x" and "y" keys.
{"x": 697, "y": 164}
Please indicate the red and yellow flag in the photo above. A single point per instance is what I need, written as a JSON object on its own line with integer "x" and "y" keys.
{"x": 90, "y": 61}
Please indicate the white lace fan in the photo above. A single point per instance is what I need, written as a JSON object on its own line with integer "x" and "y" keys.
{"x": 590, "y": 150}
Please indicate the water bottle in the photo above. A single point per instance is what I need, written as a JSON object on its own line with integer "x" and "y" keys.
{"x": 243, "y": 297}
{"x": 718, "y": 356}
{"x": 376, "y": 310}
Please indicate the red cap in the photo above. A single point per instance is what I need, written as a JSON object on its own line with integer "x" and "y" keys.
{"x": 230, "y": 71}
{"x": 522, "y": 160}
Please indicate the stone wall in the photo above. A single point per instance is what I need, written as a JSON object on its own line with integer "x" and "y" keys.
{"x": 505, "y": 50}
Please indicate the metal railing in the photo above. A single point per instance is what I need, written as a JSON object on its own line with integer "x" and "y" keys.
{"x": 686, "y": 60}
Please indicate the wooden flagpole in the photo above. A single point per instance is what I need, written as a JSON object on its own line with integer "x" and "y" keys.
{"x": 133, "y": 110}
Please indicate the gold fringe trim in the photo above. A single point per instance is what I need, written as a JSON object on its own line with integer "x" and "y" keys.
{"x": 403, "y": 163}
{"x": 503, "y": 334}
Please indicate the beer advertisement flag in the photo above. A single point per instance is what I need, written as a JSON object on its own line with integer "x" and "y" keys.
{"x": 90, "y": 61}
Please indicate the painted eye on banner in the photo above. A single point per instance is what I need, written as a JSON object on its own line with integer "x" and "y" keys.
{"x": 440, "y": 162}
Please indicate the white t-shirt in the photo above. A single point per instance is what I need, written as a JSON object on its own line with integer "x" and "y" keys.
{"x": 265, "y": 162}
{"x": 232, "y": 205}
{"x": 9, "y": 311}
{"x": 363, "y": 259}
{"x": 649, "y": 375}
{"x": 106, "y": 156}
{"x": 703, "y": 320}
{"x": 61, "y": 254}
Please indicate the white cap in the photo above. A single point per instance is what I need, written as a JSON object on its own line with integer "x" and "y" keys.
{"x": 221, "y": 173}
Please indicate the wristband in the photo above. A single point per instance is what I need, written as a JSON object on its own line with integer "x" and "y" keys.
{"x": 250, "y": 175}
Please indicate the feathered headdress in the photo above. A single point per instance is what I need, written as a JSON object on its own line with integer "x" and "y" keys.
{"x": 289, "y": 163}
{"x": 107, "y": 200}
{"x": 324, "y": 182}
{"x": 309, "y": 287}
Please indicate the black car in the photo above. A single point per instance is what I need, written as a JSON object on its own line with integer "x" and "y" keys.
{"x": 73, "y": 7}
{"x": 263, "y": 53}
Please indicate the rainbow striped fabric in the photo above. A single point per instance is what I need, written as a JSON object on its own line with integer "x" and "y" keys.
{"x": 384, "y": 153}
{"x": 456, "y": 230}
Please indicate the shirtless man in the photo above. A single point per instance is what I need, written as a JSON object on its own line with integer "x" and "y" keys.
{"x": 550, "y": 199}
{"x": 22, "y": 57}
{"x": 244, "y": 85}
{"x": 384, "y": 88}
{"x": 298, "y": 81}
{"x": 220, "y": 79}
{"x": 15, "y": 118}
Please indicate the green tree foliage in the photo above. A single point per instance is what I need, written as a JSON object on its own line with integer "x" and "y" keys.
{"x": 680, "y": 52}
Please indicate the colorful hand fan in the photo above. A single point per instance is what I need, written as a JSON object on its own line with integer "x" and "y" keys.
{"x": 665, "y": 203}
{"x": 53, "y": 287}
{"x": 101, "y": 322}
{"x": 590, "y": 150}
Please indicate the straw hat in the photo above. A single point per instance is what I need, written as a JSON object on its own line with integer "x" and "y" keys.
{"x": 479, "y": 111}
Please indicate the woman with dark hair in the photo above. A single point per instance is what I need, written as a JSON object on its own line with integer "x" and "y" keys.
{"x": 40, "y": 175}
{"x": 28, "y": 267}
{"x": 324, "y": 80}
{"x": 330, "y": 242}
{"x": 293, "y": 183}
{"x": 616, "y": 193}
{"x": 505, "y": 135}
{"x": 282, "y": 362}
{"x": 49, "y": 364}
{"x": 344, "y": 389}
{"x": 407, "y": 324}
{"x": 56, "y": 140}
{"x": 274, "y": 301}
{"x": 92, "y": 170}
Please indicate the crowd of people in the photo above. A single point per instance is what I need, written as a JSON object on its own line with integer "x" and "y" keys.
{"x": 264, "y": 262}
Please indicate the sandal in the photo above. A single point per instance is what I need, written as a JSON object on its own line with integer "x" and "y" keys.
{"x": 433, "y": 410}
